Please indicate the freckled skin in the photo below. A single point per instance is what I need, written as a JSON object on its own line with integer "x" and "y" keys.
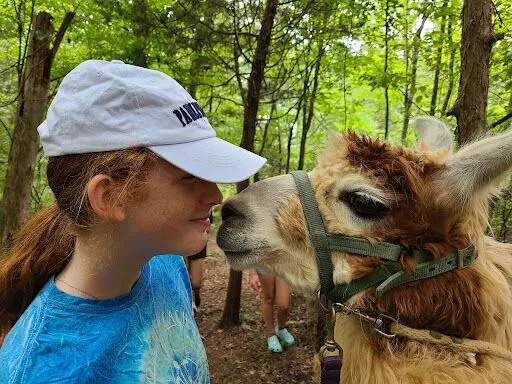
{"x": 164, "y": 217}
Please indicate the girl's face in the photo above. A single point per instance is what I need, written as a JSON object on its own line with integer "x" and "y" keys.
{"x": 172, "y": 217}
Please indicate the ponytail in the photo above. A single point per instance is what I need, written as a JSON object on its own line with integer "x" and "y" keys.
{"x": 44, "y": 244}
{"x": 40, "y": 250}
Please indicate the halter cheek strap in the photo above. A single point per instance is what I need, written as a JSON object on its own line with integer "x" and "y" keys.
{"x": 388, "y": 274}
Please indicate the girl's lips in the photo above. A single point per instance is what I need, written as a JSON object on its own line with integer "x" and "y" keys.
{"x": 203, "y": 223}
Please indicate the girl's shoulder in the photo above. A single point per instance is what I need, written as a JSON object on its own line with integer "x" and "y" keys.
{"x": 62, "y": 333}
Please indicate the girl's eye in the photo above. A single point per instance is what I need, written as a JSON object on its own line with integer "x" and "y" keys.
{"x": 364, "y": 205}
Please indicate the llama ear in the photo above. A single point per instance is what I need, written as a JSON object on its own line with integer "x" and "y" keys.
{"x": 433, "y": 133}
{"x": 478, "y": 165}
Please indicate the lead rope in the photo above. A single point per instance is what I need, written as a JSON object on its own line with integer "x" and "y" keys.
{"x": 391, "y": 328}
{"x": 454, "y": 343}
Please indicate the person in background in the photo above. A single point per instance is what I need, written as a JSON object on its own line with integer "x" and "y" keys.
{"x": 273, "y": 291}
{"x": 195, "y": 267}
{"x": 84, "y": 296}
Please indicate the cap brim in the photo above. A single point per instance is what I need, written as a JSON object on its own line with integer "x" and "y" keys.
{"x": 212, "y": 159}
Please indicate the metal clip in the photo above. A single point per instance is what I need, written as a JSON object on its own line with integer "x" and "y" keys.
{"x": 381, "y": 323}
{"x": 330, "y": 347}
{"x": 385, "y": 322}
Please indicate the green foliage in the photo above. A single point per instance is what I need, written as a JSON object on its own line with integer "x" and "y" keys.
{"x": 208, "y": 47}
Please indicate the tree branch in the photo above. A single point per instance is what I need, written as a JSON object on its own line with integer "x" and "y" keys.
{"x": 502, "y": 120}
{"x": 6, "y": 130}
{"x": 60, "y": 33}
{"x": 495, "y": 37}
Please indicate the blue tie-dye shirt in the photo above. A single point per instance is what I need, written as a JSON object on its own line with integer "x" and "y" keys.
{"x": 147, "y": 336}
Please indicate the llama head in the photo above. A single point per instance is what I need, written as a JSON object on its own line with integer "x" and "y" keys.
{"x": 423, "y": 198}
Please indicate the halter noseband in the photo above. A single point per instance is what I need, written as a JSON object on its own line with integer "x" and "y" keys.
{"x": 388, "y": 275}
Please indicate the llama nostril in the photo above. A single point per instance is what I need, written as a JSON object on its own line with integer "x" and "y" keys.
{"x": 229, "y": 210}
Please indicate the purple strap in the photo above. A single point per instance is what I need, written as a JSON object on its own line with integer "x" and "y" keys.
{"x": 331, "y": 370}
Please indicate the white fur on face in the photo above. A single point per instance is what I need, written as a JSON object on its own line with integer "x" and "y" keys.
{"x": 255, "y": 240}
{"x": 254, "y": 226}
{"x": 258, "y": 205}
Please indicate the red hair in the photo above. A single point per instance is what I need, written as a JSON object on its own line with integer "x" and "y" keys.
{"x": 44, "y": 244}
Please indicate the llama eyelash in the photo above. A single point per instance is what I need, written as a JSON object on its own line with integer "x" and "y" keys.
{"x": 364, "y": 205}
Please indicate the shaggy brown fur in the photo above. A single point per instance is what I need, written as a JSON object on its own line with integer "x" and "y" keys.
{"x": 460, "y": 303}
{"x": 435, "y": 201}
{"x": 418, "y": 221}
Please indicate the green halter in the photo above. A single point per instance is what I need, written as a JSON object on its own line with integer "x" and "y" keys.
{"x": 388, "y": 274}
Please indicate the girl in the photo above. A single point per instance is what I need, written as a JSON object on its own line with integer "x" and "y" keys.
{"x": 133, "y": 166}
{"x": 195, "y": 267}
{"x": 273, "y": 291}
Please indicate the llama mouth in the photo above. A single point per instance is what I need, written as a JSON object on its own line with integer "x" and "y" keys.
{"x": 230, "y": 253}
{"x": 237, "y": 253}
{"x": 244, "y": 259}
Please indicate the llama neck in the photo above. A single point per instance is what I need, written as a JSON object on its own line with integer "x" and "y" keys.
{"x": 365, "y": 361}
{"x": 371, "y": 359}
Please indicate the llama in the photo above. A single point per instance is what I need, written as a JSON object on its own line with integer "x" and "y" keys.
{"x": 424, "y": 200}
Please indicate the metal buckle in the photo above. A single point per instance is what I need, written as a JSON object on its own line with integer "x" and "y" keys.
{"x": 461, "y": 254}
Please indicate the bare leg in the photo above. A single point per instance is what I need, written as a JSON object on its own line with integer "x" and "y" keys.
{"x": 196, "y": 278}
{"x": 267, "y": 290}
{"x": 282, "y": 298}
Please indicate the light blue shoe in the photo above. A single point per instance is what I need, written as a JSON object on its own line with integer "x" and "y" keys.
{"x": 286, "y": 337}
{"x": 274, "y": 345}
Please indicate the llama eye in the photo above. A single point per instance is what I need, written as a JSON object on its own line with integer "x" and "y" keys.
{"x": 364, "y": 205}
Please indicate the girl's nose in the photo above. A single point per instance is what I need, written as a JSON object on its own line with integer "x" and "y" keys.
{"x": 212, "y": 195}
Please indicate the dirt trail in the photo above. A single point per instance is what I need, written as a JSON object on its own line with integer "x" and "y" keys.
{"x": 239, "y": 355}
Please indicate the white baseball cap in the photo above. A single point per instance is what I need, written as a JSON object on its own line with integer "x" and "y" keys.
{"x": 106, "y": 106}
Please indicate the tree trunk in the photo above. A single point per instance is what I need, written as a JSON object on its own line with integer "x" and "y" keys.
{"x": 310, "y": 108}
{"x": 407, "y": 60}
{"x": 142, "y": 29}
{"x": 280, "y": 152}
{"x": 273, "y": 108}
{"x": 439, "y": 58}
{"x": 477, "y": 40}
{"x": 231, "y": 315}
{"x": 451, "y": 72}
{"x": 386, "y": 76}
{"x": 409, "y": 96}
{"x": 265, "y": 133}
{"x": 293, "y": 124}
{"x": 236, "y": 56}
{"x": 33, "y": 97}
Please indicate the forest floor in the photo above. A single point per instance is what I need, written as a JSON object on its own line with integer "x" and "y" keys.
{"x": 239, "y": 354}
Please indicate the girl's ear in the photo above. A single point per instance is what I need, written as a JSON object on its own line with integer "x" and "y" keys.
{"x": 101, "y": 192}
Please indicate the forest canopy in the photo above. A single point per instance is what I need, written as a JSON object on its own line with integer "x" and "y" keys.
{"x": 369, "y": 66}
